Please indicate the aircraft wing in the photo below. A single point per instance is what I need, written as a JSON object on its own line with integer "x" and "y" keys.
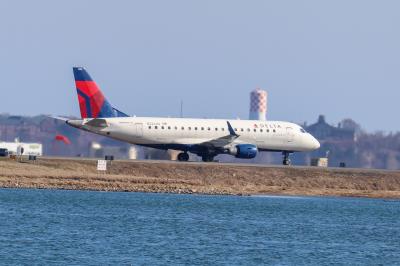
{"x": 222, "y": 141}
{"x": 210, "y": 143}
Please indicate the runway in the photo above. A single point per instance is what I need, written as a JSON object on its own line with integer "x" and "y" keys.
{"x": 216, "y": 163}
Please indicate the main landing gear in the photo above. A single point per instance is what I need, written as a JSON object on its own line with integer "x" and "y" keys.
{"x": 286, "y": 159}
{"x": 183, "y": 157}
{"x": 207, "y": 158}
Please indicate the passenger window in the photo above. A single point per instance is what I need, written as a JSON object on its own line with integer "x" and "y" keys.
{"x": 162, "y": 127}
{"x": 255, "y": 130}
{"x": 274, "y": 130}
{"x": 242, "y": 129}
{"x": 248, "y": 130}
{"x": 189, "y": 128}
{"x": 202, "y": 128}
{"x": 183, "y": 128}
{"x": 235, "y": 129}
{"x": 209, "y": 128}
{"x": 149, "y": 127}
{"x": 261, "y": 130}
{"x": 156, "y": 127}
{"x": 267, "y": 130}
{"x": 169, "y": 127}
{"x": 216, "y": 129}
{"x": 222, "y": 129}
{"x": 176, "y": 128}
{"x": 195, "y": 128}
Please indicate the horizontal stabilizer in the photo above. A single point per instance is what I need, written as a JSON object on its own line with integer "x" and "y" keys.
{"x": 59, "y": 118}
{"x": 97, "y": 122}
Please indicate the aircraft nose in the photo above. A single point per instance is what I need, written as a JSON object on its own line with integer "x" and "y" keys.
{"x": 315, "y": 143}
{"x": 312, "y": 143}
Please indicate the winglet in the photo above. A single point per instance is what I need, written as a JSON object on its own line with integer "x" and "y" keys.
{"x": 231, "y": 131}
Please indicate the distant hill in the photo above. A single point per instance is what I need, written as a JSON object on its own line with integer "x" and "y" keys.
{"x": 348, "y": 143}
{"x": 43, "y": 129}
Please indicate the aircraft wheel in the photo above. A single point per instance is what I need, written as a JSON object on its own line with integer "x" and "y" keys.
{"x": 183, "y": 157}
{"x": 207, "y": 158}
{"x": 286, "y": 159}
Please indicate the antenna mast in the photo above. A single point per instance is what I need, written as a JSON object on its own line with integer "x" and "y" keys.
{"x": 181, "y": 108}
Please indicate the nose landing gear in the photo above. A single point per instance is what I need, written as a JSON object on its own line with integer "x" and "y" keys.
{"x": 183, "y": 157}
{"x": 286, "y": 159}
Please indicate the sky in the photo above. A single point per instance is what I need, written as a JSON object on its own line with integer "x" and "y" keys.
{"x": 338, "y": 58}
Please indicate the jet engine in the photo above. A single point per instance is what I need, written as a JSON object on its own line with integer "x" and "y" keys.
{"x": 244, "y": 151}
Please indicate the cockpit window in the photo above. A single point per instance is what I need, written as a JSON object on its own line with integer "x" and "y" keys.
{"x": 302, "y": 130}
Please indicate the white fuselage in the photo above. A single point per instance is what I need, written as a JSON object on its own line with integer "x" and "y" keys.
{"x": 151, "y": 131}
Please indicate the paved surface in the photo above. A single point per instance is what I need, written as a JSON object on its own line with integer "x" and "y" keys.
{"x": 223, "y": 164}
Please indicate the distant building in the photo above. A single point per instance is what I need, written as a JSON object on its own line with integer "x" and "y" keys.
{"x": 323, "y": 131}
{"x": 258, "y": 105}
{"x": 119, "y": 151}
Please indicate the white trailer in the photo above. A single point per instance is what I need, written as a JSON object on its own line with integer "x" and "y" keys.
{"x": 15, "y": 148}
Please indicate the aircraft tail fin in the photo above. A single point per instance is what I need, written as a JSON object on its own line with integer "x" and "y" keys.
{"x": 92, "y": 102}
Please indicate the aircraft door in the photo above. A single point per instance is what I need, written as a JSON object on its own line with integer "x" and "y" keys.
{"x": 289, "y": 134}
{"x": 139, "y": 130}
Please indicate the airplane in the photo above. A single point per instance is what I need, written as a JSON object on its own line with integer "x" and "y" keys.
{"x": 206, "y": 138}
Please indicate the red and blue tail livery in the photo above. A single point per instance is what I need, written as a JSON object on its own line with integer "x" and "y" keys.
{"x": 92, "y": 102}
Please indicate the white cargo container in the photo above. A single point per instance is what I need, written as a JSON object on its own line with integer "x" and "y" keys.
{"x": 15, "y": 148}
{"x": 319, "y": 162}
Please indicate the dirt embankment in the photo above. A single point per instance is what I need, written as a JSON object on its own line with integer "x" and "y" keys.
{"x": 199, "y": 178}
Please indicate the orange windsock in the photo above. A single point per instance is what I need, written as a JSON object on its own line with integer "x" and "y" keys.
{"x": 63, "y": 139}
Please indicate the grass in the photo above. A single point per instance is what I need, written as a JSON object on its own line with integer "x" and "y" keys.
{"x": 199, "y": 178}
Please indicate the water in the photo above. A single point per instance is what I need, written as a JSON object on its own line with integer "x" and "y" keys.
{"x": 98, "y": 228}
